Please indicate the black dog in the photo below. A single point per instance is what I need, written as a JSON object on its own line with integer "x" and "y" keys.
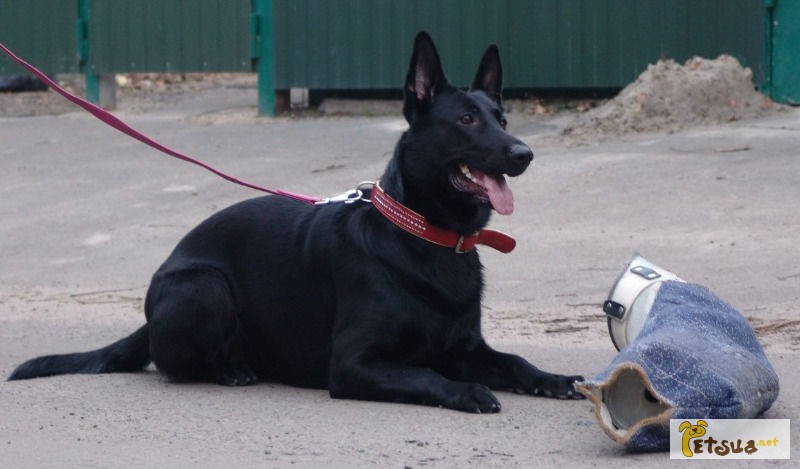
{"x": 338, "y": 296}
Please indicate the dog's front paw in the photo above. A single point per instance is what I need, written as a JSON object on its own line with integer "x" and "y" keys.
{"x": 559, "y": 387}
{"x": 472, "y": 397}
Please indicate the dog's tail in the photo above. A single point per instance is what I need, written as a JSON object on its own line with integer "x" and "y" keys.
{"x": 125, "y": 355}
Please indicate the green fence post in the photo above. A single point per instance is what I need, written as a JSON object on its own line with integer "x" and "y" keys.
{"x": 261, "y": 50}
{"x": 82, "y": 35}
{"x": 766, "y": 86}
{"x": 100, "y": 89}
{"x": 782, "y": 58}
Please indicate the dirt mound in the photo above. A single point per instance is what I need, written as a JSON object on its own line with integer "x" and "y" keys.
{"x": 668, "y": 97}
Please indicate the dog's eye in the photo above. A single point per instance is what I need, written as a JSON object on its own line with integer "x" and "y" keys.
{"x": 503, "y": 123}
{"x": 466, "y": 119}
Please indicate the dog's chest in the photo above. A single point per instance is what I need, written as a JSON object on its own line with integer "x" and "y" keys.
{"x": 428, "y": 337}
{"x": 439, "y": 288}
{"x": 440, "y": 303}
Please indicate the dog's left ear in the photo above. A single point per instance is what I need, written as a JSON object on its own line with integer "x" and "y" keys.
{"x": 489, "y": 78}
{"x": 425, "y": 78}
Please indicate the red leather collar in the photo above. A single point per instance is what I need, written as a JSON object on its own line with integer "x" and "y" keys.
{"x": 417, "y": 225}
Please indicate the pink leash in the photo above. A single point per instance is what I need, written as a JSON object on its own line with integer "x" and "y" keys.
{"x": 118, "y": 124}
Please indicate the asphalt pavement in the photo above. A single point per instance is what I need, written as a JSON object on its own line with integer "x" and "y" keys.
{"x": 87, "y": 215}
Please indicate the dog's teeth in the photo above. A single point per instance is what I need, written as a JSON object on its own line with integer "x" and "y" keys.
{"x": 465, "y": 172}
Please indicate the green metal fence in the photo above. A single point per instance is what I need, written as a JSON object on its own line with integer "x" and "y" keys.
{"x": 365, "y": 44}
{"x": 544, "y": 43}
{"x": 42, "y": 31}
{"x": 180, "y": 36}
{"x": 168, "y": 36}
{"x": 104, "y": 37}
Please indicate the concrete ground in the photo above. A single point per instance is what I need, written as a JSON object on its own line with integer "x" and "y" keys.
{"x": 88, "y": 214}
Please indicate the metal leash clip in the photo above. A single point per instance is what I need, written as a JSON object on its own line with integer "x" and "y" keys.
{"x": 353, "y": 195}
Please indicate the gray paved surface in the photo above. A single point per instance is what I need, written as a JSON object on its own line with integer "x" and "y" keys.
{"x": 87, "y": 215}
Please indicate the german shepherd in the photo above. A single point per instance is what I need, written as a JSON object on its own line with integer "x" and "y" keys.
{"x": 338, "y": 296}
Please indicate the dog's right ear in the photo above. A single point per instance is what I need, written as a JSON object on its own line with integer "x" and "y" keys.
{"x": 489, "y": 78}
{"x": 425, "y": 77}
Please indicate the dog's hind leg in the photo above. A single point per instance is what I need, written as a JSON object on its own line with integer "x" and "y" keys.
{"x": 195, "y": 334}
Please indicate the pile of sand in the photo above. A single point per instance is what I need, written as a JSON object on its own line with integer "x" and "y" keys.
{"x": 668, "y": 97}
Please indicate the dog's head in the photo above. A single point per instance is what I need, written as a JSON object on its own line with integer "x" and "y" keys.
{"x": 457, "y": 152}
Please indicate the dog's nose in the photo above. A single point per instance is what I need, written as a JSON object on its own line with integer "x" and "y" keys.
{"x": 520, "y": 153}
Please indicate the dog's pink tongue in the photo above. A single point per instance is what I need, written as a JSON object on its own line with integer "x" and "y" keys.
{"x": 500, "y": 195}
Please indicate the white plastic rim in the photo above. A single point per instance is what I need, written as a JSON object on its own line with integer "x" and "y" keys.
{"x": 636, "y": 294}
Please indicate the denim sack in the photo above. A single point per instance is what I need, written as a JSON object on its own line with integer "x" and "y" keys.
{"x": 696, "y": 357}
